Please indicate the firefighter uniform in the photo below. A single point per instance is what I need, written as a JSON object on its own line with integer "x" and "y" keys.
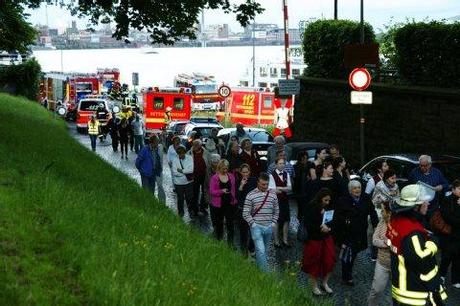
{"x": 414, "y": 271}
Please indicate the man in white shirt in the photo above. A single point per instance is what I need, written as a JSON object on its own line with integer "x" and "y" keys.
{"x": 280, "y": 181}
{"x": 182, "y": 173}
{"x": 171, "y": 154}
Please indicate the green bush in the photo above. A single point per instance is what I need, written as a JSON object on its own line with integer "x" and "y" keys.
{"x": 324, "y": 42}
{"x": 426, "y": 53}
{"x": 22, "y": 79}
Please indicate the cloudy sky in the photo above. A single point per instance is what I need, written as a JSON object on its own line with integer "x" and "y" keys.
{"x": 377, "y": 12}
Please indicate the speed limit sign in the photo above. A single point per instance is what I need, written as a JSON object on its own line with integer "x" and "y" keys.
{"x": 224, "y": 91}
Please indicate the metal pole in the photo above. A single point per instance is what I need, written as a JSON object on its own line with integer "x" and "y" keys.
{"x": 362, "y": 119}
{"x": 254, "y": 53}
{"x": 335, "y": 9}
{"x": 286, "y": 39}
{"x": 62, "y": 61}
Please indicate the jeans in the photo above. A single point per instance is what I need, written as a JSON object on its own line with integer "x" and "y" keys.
{"x": 262, "y": 235}
{"x": 381, "y": 277}
{"x": 124, "y": 147}
{"x": 185, "y": 192}
{"x": 148, "y": 183}
{"x": 138, "y": 143}
{"x": 93, "y": 139}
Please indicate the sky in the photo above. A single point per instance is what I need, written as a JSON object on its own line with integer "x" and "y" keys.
{"x": 377, "y": 12}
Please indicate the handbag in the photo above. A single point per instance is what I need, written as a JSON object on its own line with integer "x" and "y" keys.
{"x": 438, "y": 224}
{"x": 302, "y": 234}
{"x": 189, "y": 176}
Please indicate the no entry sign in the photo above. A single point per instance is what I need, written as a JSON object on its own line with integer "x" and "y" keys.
{"x": 359, "y": 79}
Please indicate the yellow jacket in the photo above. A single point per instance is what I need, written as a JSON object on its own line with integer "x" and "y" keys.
{"x": 93, "y": 129}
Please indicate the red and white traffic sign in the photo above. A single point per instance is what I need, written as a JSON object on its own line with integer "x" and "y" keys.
{"x": 359, "y": 79}
{"x": 224, "y": 91}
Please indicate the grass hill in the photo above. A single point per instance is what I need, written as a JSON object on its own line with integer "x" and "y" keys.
{"x": 75, "y": 231}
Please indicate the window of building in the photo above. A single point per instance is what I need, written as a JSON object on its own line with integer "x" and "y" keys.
{"x": 273, "y": 72}
{"x": 263, "y": 72}
{"x": 178, "y": 104}
{"x": 263, "y": 84}
{"x": 273, "y": 85}
{"x": 295, "y": 72}
{"x": 283, "y": 72}
{"x": 244, "y": 83}
{"x": 158, "y": 103}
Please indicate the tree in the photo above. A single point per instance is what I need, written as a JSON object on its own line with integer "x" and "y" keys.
{"x": 15, "y": 33}
{"x": 324, "y": 42}
{"x": 166, "y": 21}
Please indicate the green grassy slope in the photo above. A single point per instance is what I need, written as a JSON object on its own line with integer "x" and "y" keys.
{"x": 75, "y": 231}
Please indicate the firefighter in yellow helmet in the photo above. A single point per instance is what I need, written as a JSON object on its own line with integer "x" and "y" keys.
{"x": 414, "y": 270}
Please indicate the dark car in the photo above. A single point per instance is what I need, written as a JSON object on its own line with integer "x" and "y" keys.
{"x": 309, "y": 147}
{"x": 404, "y": 163}
{"x": 201, "y": 126}
{"x": 172, "y": 129}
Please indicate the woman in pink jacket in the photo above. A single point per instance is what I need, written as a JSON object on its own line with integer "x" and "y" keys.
{"x": 222, "y": 189}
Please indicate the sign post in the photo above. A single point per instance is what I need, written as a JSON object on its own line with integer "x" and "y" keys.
{"x": 359, "y": 80}
{"x": 289, "y": 87}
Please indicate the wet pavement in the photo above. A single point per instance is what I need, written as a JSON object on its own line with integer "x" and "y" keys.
{"x": 283, "y": 260}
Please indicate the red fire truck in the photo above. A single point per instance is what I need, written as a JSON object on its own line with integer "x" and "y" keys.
{"x": 108, "y": 77}
{"x": 162, "y": 105}
{"x": 203, "y": 88}
{"x": 68, "y": 88}
{"x": 251, "y": 106}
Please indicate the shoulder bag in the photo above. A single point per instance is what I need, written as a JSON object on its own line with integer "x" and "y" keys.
{"x": 262, "y": 205}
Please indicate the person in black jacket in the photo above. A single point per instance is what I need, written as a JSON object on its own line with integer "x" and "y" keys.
{"x": 301, "y": 180}
{"x": 350, "y": 222}
{"x": 244, "y": 183}
{"x": 319, "y": 250}
{"x": 450, "y": 243}
{"x": 113, "y": 124}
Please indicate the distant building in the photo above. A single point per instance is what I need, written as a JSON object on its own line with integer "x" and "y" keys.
{"x": 223, "y": 31}
{"x": 261, "y": 30}
{"x": 53, "y": 32}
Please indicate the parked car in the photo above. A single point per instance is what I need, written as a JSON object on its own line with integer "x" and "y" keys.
{"x": 309, "y": 147}
{"x": 202, "y": 126}
{"x": 173, "y": 128}
{"x": 404, "y": 163}
{"x": 261, "y": 140}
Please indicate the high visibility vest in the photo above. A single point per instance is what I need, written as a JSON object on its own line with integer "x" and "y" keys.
{"x": 93, "y": 129}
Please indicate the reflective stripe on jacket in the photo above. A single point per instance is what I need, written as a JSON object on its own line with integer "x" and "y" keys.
{"x": 93, "y": 129}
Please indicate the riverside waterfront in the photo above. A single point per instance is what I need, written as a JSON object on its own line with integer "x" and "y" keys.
{"x": 158, "y": 66}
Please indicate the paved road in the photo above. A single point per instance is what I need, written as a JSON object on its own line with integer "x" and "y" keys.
{"x": 285, "y": 260}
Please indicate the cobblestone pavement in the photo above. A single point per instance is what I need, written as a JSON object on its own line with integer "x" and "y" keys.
{"x": 284, "y": 260}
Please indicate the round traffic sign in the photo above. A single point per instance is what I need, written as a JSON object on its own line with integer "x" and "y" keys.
{"x": 224, "y": 91}
{"x": 359, "y": 79}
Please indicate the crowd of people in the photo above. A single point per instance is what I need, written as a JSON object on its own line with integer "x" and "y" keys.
{"x": 239, "y": 191}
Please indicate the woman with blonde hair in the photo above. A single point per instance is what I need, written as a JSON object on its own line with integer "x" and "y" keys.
{"x": 222, "y": 189}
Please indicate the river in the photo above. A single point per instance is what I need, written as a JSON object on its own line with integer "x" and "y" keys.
{"x": 158, "y": 66}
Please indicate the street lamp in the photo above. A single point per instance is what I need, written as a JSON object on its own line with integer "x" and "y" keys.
{"x": 335, "y": 9}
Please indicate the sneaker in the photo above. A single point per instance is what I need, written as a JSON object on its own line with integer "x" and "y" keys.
{"x": 373, "y": 259}
{"x": 317, "y": 291}
{"x": 327, "y": 289}
{"x": 443, "y": 279}
{"x": 126, "y": 157}
{"x": 200, "y": 214}
{"x": 457, "y": 285}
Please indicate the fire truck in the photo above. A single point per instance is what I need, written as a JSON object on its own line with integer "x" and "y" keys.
{"x": 251, "y": 106}
{"x": 204, "y": 91}
{"x": 162, "y": 105}
{"x": 108, "y": 77}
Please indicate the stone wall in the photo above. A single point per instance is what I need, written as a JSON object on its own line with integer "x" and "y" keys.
{"x": 400, "y": 120}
